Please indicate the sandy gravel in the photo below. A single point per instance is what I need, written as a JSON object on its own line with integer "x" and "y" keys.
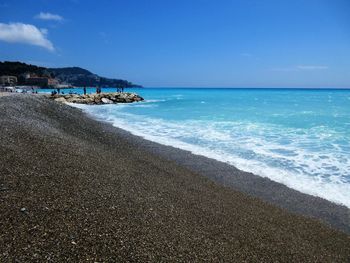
{"x": 3, "y": 94}
{"x": 73, "y": 190}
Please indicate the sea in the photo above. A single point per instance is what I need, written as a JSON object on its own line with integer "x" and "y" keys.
{"x": 297, "y": 137}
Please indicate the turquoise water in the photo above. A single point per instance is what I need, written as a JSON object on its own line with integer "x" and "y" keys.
{"x": 300, "y": 138}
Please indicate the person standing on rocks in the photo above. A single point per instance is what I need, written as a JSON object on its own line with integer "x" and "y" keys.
{"x": 98, "y": 90}
{"x": 84, "y": 90}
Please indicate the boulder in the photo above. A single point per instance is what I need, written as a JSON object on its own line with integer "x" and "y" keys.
{"x": 61, "y": 100}
{"x": 102, "y": 98}
{"x": 106, "y": 101}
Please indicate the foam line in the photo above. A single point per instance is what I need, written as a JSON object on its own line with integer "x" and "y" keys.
{"x": 286, "y": 156}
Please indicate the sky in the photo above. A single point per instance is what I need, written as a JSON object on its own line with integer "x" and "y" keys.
{"x": 185, "y": 43}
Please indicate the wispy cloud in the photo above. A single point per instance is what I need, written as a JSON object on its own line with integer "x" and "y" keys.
{"x": 285, "y": 69}
{"x": 301, "y": 68}
{"x": 104, "y": 36}
{"x": 26, "y": 34}
{"x": 246, "y": 54}
{"x": 49, "y": 16}
{"x": 311, "y": 67}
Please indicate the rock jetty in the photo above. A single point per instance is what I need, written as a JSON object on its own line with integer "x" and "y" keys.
{"x": 102, "y": 98}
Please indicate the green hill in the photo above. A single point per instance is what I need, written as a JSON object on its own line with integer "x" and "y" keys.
{"x": 75, "y": 76}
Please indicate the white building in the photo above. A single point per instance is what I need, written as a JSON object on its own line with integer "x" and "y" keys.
{"x": 8, "y": 80}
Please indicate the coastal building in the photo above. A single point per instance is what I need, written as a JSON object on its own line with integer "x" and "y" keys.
{"x": 8, "y": 80}
{"x": 42, "y": 81}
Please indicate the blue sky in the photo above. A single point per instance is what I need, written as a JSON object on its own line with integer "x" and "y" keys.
{"x": 223, "y": 43}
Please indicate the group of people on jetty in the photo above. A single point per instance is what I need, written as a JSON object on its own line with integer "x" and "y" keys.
{"x": 98, "y": 91}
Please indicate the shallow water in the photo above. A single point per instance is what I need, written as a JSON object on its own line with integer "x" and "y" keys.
{"x": 300, "y": 138}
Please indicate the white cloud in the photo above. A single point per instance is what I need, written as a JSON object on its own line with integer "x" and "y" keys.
{"x": 49, "y": 16}
{"x": 25, "y": 33}
{"x": 301, "y": 68}
{"x": 311, "y": 67}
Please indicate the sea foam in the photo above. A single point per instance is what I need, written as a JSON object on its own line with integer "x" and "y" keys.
{"x": 303, "y": 147}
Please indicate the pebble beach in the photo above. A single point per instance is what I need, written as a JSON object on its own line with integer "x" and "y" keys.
{"x": 73, "y": 189}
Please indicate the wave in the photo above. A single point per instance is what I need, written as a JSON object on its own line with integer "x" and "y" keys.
{"x": 287, "y": 156}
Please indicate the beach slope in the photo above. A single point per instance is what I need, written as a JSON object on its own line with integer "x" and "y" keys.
{"x": 72, "y": 190}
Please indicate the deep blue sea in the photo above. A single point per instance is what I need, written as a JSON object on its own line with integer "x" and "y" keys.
{"x": 300, "y": 138}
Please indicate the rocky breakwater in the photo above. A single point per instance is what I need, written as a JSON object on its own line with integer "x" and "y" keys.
{"x": 97, "y": 99}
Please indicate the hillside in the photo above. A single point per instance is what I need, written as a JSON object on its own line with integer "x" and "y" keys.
{"x": 75, "y": 76}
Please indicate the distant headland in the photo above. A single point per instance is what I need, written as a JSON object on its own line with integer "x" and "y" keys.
{"x": 22, "y": 74}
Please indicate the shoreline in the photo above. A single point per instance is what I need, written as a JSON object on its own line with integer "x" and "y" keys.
{"x": 76, "y": 189}
{"x": 333, "y": 214}
{"x": 302, "y": 146}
